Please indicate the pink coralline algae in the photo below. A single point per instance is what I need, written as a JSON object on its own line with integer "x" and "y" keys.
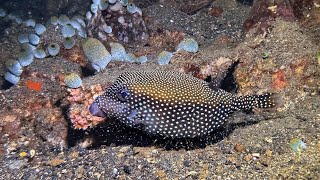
{"x": 80, "y": 100}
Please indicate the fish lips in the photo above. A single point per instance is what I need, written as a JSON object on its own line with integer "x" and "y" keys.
{"x": 96, "y": 111}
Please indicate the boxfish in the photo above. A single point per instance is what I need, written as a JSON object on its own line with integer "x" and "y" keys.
{"x": 172, "y": 104}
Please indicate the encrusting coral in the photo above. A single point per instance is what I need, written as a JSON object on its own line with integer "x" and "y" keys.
{"x": 80, "y": 100}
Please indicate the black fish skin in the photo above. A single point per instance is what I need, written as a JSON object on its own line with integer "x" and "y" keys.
{"x": 172, "y": 104}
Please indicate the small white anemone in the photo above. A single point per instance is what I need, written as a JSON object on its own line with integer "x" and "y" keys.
{"x": 23, "y": 38}
{"x": 30, "y": 23}
{"x": 3, "y": 12}
{"x": 121, "y": 20}
{"x": 112, "y": 1}
{"x": 34, "y": 39}
{"x": 39, "y": 53}
{"x": 96, "y": 1}
{"x": 107, "y": 29}
{"x": 54, "y": 20}
{"x": 124, "y": 2}
{"x": 40, "y": 29}
{"x": 63, "y": 19}
{"x": 116, "y": 7}
{"x": 141, "y": 59}
{"x": 88, "y": 15}
{"x": 80, "y": 20}
{"x": 103, "y": 5}
{"x": 13, "y": 79}
{"x": 68, "y": 31}
{"x": 94, "y": 8}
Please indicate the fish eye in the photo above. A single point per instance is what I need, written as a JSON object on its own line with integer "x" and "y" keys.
{"x": 123, "y": 95}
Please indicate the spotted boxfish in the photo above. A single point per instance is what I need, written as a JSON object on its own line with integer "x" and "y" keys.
{"x": 172, "y": 104}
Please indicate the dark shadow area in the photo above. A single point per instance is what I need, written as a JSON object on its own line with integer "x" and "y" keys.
{"x": 19, "y": 7}
{"x": 87, "y": 71}
{"x": 246, "y": 2}
{"x": 117, "y": 134}
{"x": 74, "y": 135}
{"x": 6, "y": 85}
{"x": 41, "y": 10}
{"x": 145, "y": 3}
{"x": 228, "y": 83}
{"x": 224, "y": 80}
{"x": 3, "y": 26}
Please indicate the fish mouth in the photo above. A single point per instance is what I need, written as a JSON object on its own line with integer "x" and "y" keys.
{"x": 96, "y": 111}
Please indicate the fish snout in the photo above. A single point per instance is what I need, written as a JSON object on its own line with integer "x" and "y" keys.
{"x": 96, "y": 111}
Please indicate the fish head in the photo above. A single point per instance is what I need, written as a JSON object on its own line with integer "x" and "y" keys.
{"x": 114, "y": 103}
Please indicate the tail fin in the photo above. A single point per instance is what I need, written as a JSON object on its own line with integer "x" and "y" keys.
{"x": 268, "y": 100}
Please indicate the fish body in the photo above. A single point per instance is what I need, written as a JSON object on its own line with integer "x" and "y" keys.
{"x": 172, "y": 104}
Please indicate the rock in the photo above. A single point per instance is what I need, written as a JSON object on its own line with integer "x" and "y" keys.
{"x": 239, "y": 148}
{"x": 265, "y": 161}
{"x": 268, "y": 153}
{"x": 216, "y": 11}
{"x": 232, "y": 159}
{"x": 268, "y": 139}
{"x": 80, "y": 172}
{"x": 160, "y": 174}
{"x": 192, "y": 174}
{"x": 17, "y": 164}
{"x": 55, "y": 162}
{"x": 127, "y": 169}
{"x": 248, "y": 157}
{"x": 50, "y": 125}
{"x": 256, "y": 155}
{"x": 187, "y": 163}
{"x": 115, "y": 172}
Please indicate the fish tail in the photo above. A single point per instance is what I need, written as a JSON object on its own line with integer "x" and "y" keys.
{"x": 268, "y": 100}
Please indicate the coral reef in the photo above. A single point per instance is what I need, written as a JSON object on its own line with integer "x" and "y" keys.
{"x": 189, "y": 6}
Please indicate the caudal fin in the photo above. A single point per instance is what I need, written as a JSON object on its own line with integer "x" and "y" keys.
{"x": 268, "y": 100}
